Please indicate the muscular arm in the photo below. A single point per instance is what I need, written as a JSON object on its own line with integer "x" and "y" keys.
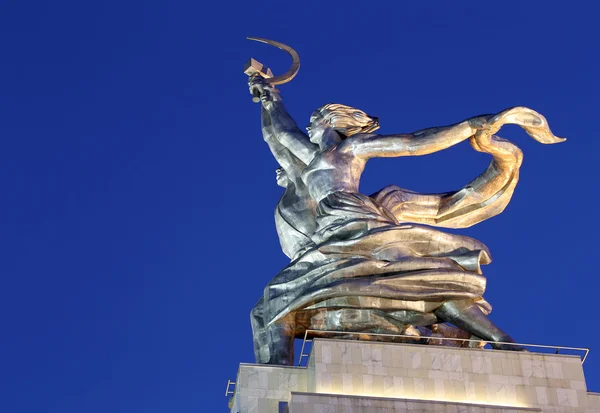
{"x": 422, "y": 142}
{"x": 288, "y": 134}
{"x": 291, "y": 164}
{"x": 283, "y": 127}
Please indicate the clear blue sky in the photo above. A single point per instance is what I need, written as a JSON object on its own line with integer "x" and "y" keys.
{"x": 138, "y": 195}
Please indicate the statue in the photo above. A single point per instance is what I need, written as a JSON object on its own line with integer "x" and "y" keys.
{"x": 374, "y": 264}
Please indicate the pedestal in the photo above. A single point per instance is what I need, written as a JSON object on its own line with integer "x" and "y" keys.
{"x": 344, "y": 376}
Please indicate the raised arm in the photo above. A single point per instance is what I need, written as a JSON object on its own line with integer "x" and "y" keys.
{"x": 291, "y": 164}
{"x": 284, "y": 128}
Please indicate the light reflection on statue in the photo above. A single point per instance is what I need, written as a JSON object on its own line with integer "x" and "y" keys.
{"x": 360, "y": 263}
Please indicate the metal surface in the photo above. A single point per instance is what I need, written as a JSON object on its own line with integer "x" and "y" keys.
{"x": 293, "y": 70}
{"x": 557, "y": 349}
{"x": 366, "y": 262}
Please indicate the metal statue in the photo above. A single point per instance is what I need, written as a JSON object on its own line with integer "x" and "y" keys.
{"x": 369, "y": 263}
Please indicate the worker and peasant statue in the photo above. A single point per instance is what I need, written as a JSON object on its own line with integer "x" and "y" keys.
{"x": 378, "y": 266}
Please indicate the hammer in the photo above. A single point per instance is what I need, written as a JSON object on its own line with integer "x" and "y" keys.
{"x": 255, "y": 68}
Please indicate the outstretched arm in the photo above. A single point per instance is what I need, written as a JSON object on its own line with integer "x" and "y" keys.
{"x": 422, "y": 142}
{"x": 284, "y": 128}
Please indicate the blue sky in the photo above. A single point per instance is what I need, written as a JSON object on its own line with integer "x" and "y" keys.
{"x": 138, "y": 195}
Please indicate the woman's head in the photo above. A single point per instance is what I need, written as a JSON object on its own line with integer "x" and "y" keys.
{"x": 344, "y": 119}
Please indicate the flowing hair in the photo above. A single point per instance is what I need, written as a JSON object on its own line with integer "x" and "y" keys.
{"x": 346, "y": 120}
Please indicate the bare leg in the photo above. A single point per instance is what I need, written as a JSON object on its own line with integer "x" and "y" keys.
{"x": 468, "y": 316}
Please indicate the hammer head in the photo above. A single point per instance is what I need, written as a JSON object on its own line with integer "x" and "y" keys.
{"x": 254, "y": 67}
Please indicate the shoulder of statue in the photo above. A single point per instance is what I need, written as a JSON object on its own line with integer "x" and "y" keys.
{"x": 352, "y": 142}
{"x": 361, "y": 137}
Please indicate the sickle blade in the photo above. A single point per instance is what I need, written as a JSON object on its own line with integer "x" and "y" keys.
{"x": 292, "y": 72}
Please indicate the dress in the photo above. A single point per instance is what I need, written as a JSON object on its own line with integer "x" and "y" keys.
{"x": 361, "y": 250}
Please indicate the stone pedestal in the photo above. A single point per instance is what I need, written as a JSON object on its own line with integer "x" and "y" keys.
{"x": 345, "y": 376}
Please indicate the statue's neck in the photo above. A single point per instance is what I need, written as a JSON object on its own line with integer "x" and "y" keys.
{"x": 330, "y": 139}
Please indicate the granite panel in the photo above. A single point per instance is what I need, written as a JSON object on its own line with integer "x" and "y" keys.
{"x": 342, "y": 376}
{"x": 453, "y": 374}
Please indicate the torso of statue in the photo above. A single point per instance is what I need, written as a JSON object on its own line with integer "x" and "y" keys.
{"x": 332, "y": 170}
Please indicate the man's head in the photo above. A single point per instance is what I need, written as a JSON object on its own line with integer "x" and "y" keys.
{"x": 344, "y": 119}
{"x": 281, "y": 177}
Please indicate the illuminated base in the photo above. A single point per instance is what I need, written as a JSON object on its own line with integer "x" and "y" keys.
{"x": 345, "y": 376}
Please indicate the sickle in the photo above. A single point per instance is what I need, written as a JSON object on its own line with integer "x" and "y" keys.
{"x": 292, "y": 72}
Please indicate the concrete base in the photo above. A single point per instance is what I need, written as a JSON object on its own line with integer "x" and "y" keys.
{"x": 371, "y": 377}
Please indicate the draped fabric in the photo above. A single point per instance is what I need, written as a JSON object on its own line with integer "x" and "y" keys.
{"x": 362, "y": 251}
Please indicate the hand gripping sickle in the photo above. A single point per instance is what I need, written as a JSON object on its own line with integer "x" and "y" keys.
{"x": 255, "y": 68}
